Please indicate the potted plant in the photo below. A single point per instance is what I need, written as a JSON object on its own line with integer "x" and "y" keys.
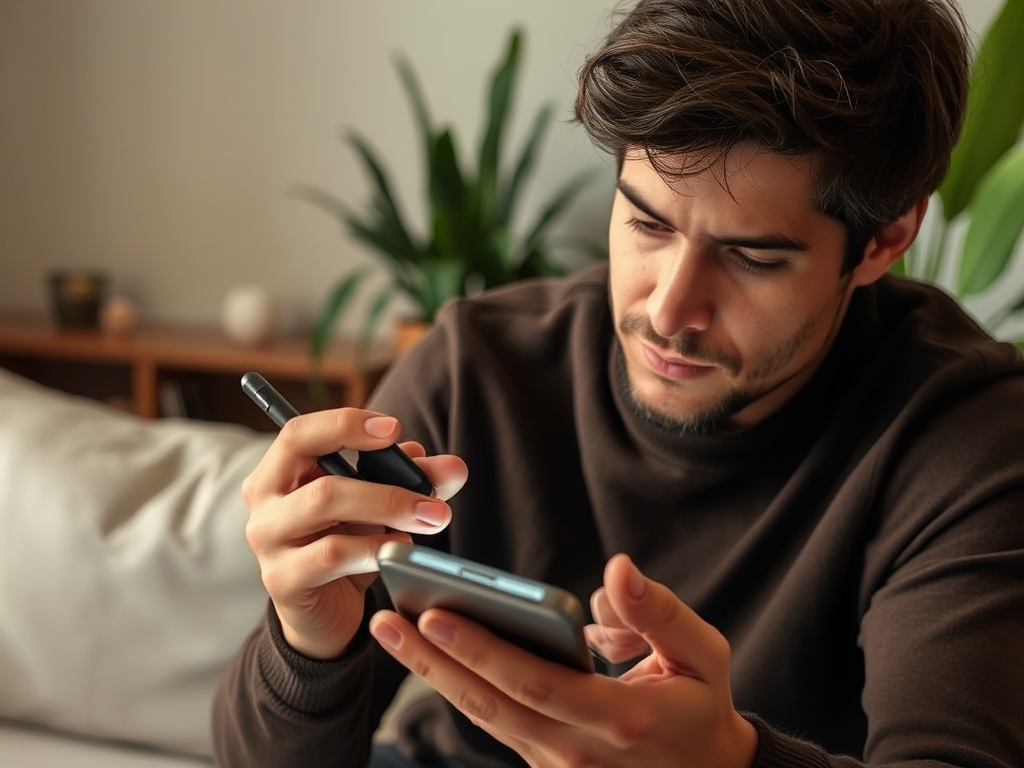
{"x": 971, "y": 241}
{"x": 469, "y": 243}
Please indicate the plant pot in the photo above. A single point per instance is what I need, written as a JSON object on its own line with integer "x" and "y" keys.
{"x": 76, "y": 298}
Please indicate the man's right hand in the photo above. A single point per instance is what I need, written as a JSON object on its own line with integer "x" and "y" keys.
{"x": 316, "y": 536}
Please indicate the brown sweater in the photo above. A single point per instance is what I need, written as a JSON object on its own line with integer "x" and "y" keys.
{"x": 862, "y": 549}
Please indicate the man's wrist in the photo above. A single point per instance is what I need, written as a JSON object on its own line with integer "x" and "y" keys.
{"x": 309, "y": 685}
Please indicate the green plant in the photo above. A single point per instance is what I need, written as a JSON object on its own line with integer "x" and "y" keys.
{"x": 971, "y": 242}
{"x": 469, "y": 243}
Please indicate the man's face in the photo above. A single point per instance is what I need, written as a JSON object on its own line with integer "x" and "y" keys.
{"x": 725, "y": 296}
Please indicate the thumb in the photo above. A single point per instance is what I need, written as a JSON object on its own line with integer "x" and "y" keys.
{"x": 683, "y": 641}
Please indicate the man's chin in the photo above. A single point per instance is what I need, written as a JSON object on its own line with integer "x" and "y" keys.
{"x": 697, "y": 420}
{"x": 667, "y": 410}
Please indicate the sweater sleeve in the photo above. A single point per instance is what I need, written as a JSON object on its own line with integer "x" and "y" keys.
{"x": 275, "y": 707}
{"x": 941, "y": 638}
{"x": 944, "y": 660}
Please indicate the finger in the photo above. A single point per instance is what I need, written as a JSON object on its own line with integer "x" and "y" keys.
{"x": 455, "y": 682}
{"x": 610, "y": 637}
{"x": 330, "y": 501}
{"x": 615, "y": 645}
{"x": 447, "y": 473}
{"x": 460, "y": 676}
{"x": 305, "y": 438}
{"x": 412, "y": 449}
{"x": 543, "y": 697}
{"x": 683, "y": 641}
{"x": 293, "y": 572}
{"x": 602, "y": 610}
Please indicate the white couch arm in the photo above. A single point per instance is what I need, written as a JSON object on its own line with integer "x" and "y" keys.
{"x": 126, "y": 583}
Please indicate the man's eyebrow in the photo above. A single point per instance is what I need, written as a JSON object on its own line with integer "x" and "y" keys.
{"x": 767, "y": 242}
{"x": 638, "y": 202}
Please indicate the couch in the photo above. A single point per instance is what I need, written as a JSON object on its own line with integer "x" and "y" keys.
{"x": 126, "y": 583}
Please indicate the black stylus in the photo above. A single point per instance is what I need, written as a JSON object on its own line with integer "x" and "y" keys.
{"x": 390, "y": 466}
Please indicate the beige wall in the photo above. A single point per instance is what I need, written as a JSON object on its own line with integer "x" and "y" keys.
{"x": 157, "y": 139}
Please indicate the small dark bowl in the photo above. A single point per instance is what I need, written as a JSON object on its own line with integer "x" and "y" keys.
{"x": 76, "y": 298}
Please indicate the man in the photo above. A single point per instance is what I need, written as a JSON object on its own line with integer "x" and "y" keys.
{"x": 795, "y": 482}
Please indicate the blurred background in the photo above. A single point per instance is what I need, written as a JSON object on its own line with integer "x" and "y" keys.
{"x": 158, "y": 140}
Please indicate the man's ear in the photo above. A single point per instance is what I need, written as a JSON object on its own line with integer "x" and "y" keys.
{"x": 889, "y": 244}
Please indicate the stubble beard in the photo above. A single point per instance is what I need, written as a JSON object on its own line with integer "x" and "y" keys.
{"x": 714, "y": 414}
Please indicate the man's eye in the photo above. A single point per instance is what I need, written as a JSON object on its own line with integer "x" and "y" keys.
{"x": 646, "y": 227}
{"x": 755, "y": 266}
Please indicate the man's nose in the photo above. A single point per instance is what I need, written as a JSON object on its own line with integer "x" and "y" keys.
{"x": 682, "y": 297}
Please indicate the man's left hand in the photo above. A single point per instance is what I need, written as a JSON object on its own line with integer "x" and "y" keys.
{"x": 673, "y": 708}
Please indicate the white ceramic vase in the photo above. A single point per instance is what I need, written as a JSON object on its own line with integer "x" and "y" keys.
{"x": 249, "y": 315}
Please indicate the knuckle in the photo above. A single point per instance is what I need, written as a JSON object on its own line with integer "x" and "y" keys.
{"x": 256, "y": 533}
{"x": 474, "y": 658}
{"x": 478, "y": 707}
{"x": 395, "y": 498}
{"x": 532, "y": 693}
{"x": 632, "y": 729}
{"x": 250, "y": 494}
{"x": 291, "y": 432}
{"x": 668, "y": 610}
{"x": 274, "y": 580}
{"x": 330, "y": 552}
{"x": 719, "y": 649}
{"x": 576, "y": 756}
{"x": 321, "y": 492}
{"x": 348, "y": 420}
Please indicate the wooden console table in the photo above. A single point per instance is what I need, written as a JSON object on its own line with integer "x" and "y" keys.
{"x": 137, "y": 370}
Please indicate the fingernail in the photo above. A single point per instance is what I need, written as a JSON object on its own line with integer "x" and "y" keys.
{"x": 430, "y": 512}
{"x": 380, "y": 426}
{"x": 438, "y": 630}
{"x": 387, "y": 635}
{"x": 637, "y": 584}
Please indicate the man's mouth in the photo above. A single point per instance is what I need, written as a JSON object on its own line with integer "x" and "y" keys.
{"x": 673, "y": 366}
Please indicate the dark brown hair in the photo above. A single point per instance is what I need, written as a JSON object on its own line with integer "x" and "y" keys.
{"x": 873, "y": 91}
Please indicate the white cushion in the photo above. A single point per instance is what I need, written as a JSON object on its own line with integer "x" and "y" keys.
{"x": 126, "y": 583}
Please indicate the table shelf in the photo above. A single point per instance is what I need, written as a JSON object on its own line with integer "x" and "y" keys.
{"x": 183, "y": 371}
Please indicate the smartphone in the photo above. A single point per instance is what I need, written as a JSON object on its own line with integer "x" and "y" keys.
{"x": 390, "y": 466}
{"x": 540, "y": 618}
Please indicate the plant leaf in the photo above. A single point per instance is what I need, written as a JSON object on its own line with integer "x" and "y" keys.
{"x": 524, "y": 166}
{"x": 391, "y": 216}
{"x": 442, "y": 279}
{"x": 451, "y": 226}
{"x": 996, "y": 221}
{"x": 419, "y": 106}
{"x": 995, "y": 108}
{"x": 402, "y": 267}
{"x": 374, "y": 314}
{"x": 498, "y": 108}
{"x": 377, "y": 233}
{"x": 557, "y": 204}
{"x": 323, "y": 200}
{"x": 339, "y": 299}
{"x": 447, "y": 189}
